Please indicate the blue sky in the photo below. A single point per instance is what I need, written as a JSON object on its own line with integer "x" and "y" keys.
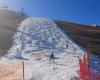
{"x": 79, "y": 11}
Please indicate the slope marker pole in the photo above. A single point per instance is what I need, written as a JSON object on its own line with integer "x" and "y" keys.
{"x": 23, "y": 70}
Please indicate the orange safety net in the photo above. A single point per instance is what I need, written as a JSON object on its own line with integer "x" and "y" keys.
{"x": 85, "y": 70}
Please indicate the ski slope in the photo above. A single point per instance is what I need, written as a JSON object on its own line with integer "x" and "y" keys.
{"x": 37, "y": 35}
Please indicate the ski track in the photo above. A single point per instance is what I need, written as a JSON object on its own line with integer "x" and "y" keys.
{"x": 37, "y": 35}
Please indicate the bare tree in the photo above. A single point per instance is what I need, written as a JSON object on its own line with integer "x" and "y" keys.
{"x": 22, "y": 12}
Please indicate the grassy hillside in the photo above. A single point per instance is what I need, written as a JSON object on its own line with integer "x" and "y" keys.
{"x": 86, "y": 36}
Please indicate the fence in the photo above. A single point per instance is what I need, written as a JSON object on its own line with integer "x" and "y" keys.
{"x": 12, "y": 71}
{"x": 85, "y": 70}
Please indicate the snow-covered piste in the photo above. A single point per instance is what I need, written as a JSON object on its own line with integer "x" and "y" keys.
{"x": 35, "y": 40}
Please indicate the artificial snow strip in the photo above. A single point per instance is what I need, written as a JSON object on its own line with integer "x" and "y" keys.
{"x": 35, "y": 40}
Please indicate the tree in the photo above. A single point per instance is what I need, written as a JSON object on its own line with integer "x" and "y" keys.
{"x": 22, "y": 12}
{"x": 97, "y": 26}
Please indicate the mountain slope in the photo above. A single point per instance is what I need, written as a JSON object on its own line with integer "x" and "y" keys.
{"x": 84, "y": 35}
{"x": 36, "y": 35}
{"x": 87, "y": 36}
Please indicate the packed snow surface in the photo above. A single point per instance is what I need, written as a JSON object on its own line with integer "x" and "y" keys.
{"x": 37, "y": 35}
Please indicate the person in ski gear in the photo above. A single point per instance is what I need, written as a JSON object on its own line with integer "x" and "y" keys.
{"x": 52, "y": 57}
{"x": 67, "y": 46}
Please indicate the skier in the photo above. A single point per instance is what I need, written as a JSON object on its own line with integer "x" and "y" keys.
{"x": 67, "y": 46}
{"x": 52, "y": 57}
